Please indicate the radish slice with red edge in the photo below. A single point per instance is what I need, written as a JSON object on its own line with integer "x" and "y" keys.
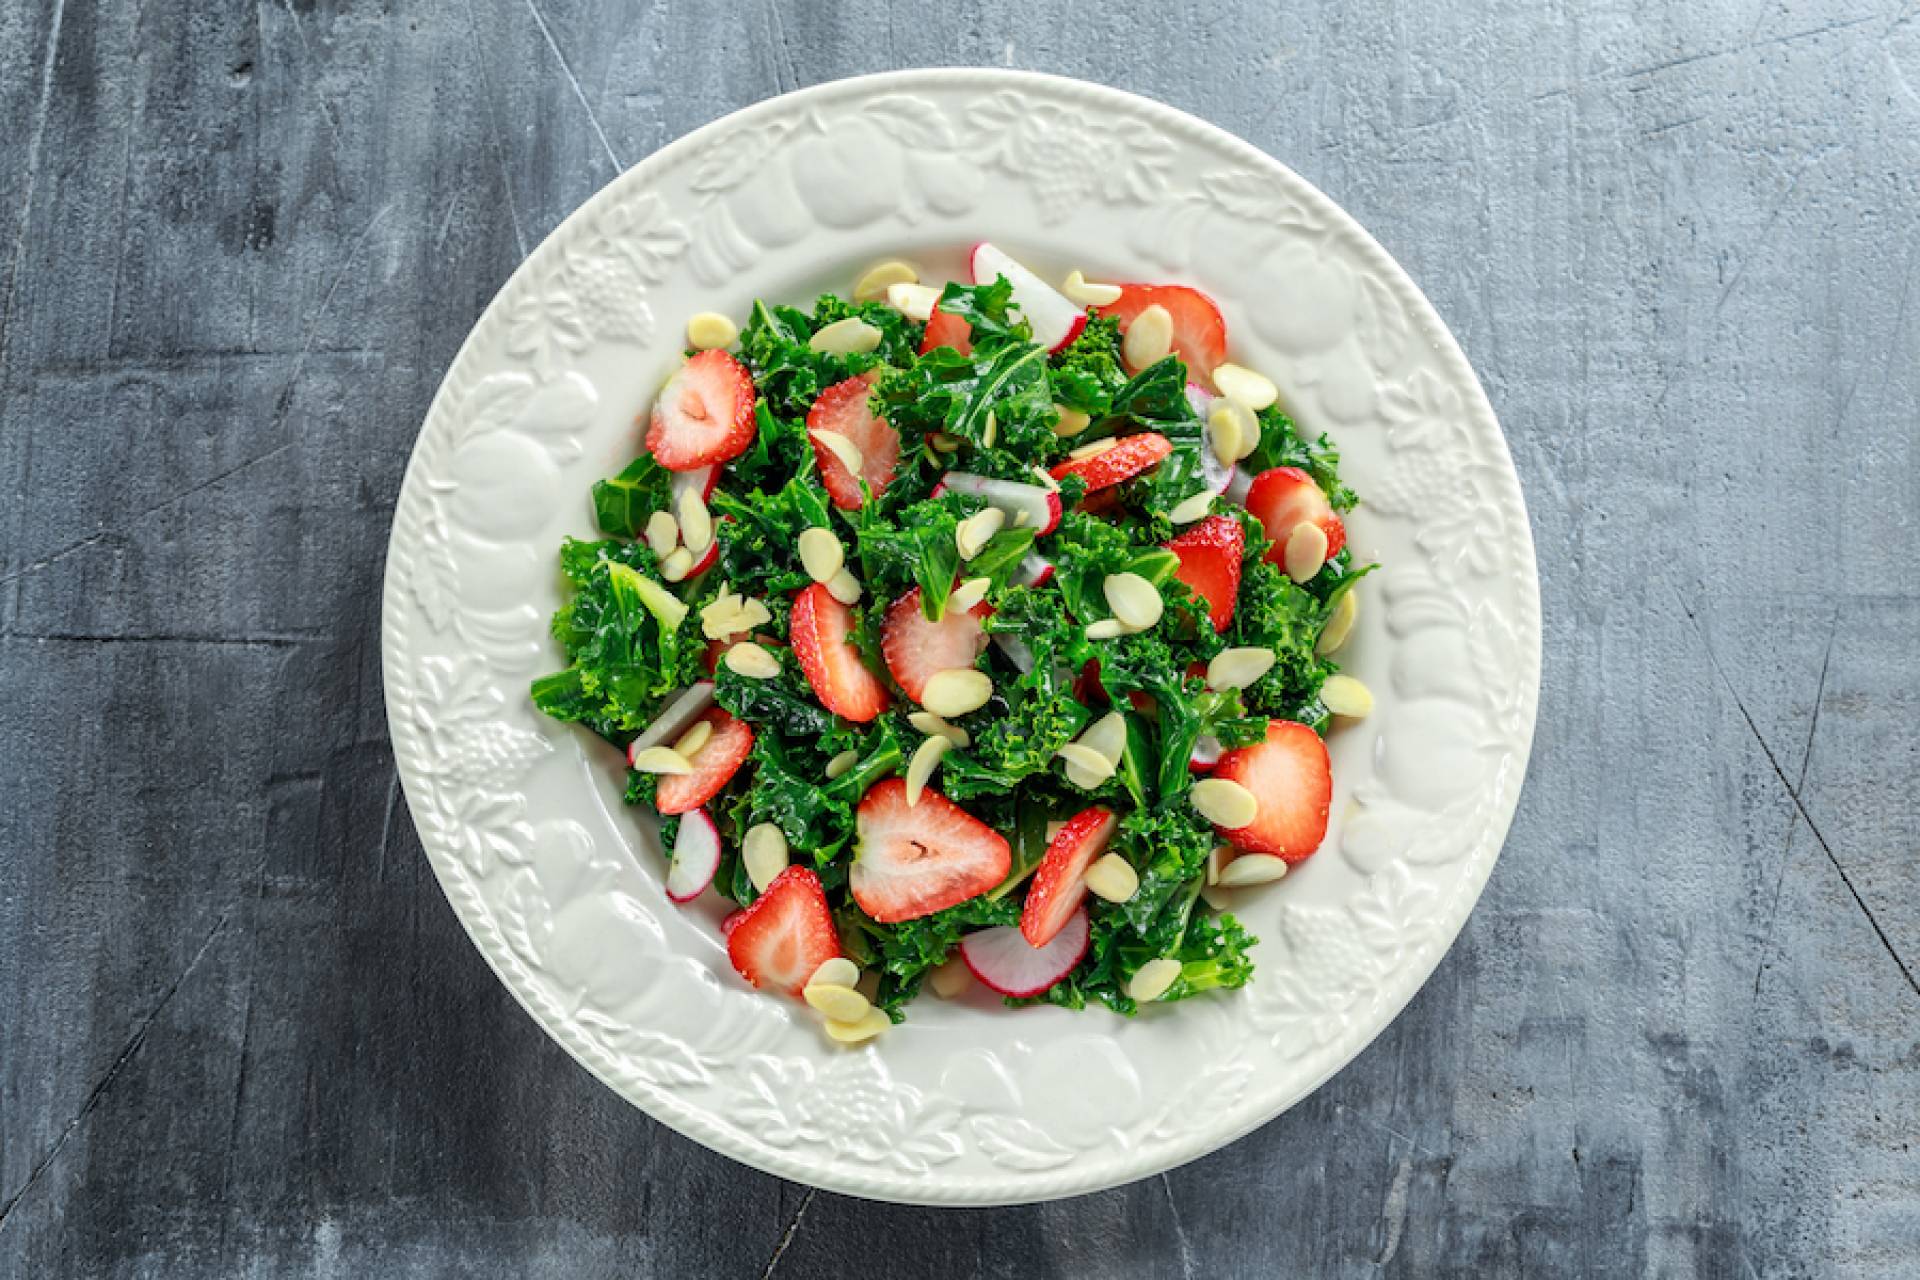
{"x": 702, "y": 478}
{"x": 1218, "y": 475}
{"x": 1207, "y": 751}
{"x": 1041, "y": 506}
{"x": 1003, "y": 959}
{"x": 674, "y": 721}
{"x": 1239, "y": 484}
{"x": 1201, "y": 399}
{"x": 1054, "y": 319}
{"x": 696, "y": 856}
{"x": 1033, "y": 570}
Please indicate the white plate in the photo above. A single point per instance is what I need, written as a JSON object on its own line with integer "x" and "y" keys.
{"x": 969, "y": 1102}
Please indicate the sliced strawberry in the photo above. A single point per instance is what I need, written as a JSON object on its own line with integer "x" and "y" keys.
{"x": 1210, "y": 554}
{"x": 1199, "y": 330}
{"x": 1059, "y": 885}
{"x": 945, "y": 330}
{"x": 731, "y": 921}
{"x": 1122, "y": 462}
{"x": 914, "y": 860}
{"x": 844, "y": 407}
{"x": 819, "y": 629}
{"x": 1282, "y": 499}
{"x": 704, "y": 414}
{"x": 1292, "y": 779}
{"x": 916, "y": 648}
{"x": 713, "y": 765}
{"x": 786, "y": 934}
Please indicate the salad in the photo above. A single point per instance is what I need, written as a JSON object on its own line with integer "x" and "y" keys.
{"x": 980, "y": 632}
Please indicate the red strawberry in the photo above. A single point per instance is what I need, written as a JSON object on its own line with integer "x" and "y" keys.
{"x": 1210, "y": 563}
{"x": 916, "y": 648}
{"x": 786, "y": 934}
{"x": 843, "y": 407}
{"x": 1199, "y": 331}
{"x": 819, "y": 628}
{"x": 945, "y": 330}
{"x": 1292, "y": 779}
{"x": 1122, "y": 462}
{"x": 713, "y": 765}
{"x": 914, "y": 860}
{"x": 1283, "y": 498}
{"x": 704, "y": 414}
{"x": 1059, "y": 885}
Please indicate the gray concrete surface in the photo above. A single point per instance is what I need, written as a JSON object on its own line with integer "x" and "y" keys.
{"x": 241, "y": 1032}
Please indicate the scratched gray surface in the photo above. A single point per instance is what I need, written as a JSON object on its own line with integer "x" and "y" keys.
{"x": 240, "y": 1029}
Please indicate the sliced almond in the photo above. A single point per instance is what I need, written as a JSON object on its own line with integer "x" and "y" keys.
{"x": 660, "y": 760}
{"x": 1044, "y": 478}
{"x": 841, "y": 1004}
{"x": 844, "y": 587}
{"x": 1340, "y": 625}
{"x": 1250, "y": 869}
{"x": 1087, "y": 760}
{"x": 1072, "y": 422}
{"x": 880, "y": 277}
{"x": 750, "y": 660}
{"x": 950, "y": 979}
{"x": 1254, "y": 390}
{"x": 1113, "y": 878}
{"x": 1149, "y": 338}
{"x": 1220, "y": 899}
{"x": 1233, "y": 430}
{"x": 1107, "y": 629}
{"x": 763, "y": 851}
{"x": 696, "y": 522}
{"x": 722, "y": 618}
{"x": 942, "y": 442}
{"x": 821, "y": 554}
{"x": 990, "y": 432}
{"x": 842, "y": 448}
{"x": 753, "y": 613}
{"x": 1089, "y": 294}
{"x": 1217, "y": 859}
{"x": 977, "y": 530}
{"x": 662, "y": 533}
{"x": 871, "y": 1024}
{"x": 1108, "y": 736}
{"x": 914, "y": 301}
{"x": 1092, "y": 449}
{"x": 841, "y": 763}
{"x": 934, "y": 727}
{"x": 1224, "y": 803}
{"x": 837, "y": 972}
{"x": 710, "y": 330}
{"x": 956, "y": 691}
{"x": 677, "y": 565}
{"x": 693, "y": 739}
{"x": 1346, "y": 696}
{"x": 1192, "y": 508}
{"x": 849, "y": 337}
{"x": 1153, "y": 979}
{"x": 926, "y": 758}
{"x": 1238, "y": 668}
{"x": 1085, "y": 779}
{"x": 1132, "y": 599}
{"x": 1306, "y": 551}
{"x": 968, "y": 594}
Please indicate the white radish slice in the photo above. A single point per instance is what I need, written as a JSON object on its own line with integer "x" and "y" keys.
{"x": 1219, "y": 475}
{"x": 705, "y": 562}
{"x": 1207, "y": 751}
{"x": 1003, "y": 959}
{"x": 696, "y": 856}
{"x": 1201, "y": 399}
{"x": 1033, "y": 570}
{"x": 1016, "y": 650}
{"x": 703, "y": 479}
{"x": 1239, "y": 484}
{"x": 671, "y": 723}
{"x": 1055, "y": 319}
{"x": 1042, "y": 506}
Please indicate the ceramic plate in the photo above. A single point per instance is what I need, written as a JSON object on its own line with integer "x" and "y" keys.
{"x": 560, "y": 885}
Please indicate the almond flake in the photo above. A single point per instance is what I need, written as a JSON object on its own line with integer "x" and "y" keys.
{"x": 1192, "y": 508}
{"x": 990, "y": 432}
{"x": 1107, "y": 629}
{"x": 914, "y": 301}
{"x": 1085, "y": 779}
{"x": 950, "y": 979}
{"x": 926, "y": 758}
{"x": 1224, "y": 803}
{"x": 1238, "y": 668}
{"x": 882, "y": 276}
{"x": 1044, "y": 478}
{"x": 693, "y": 739}
{"x": 750, "y": 660}
{"x": 710, "y": 331}
{"x": 1072, "y": 422}
{"x": 1346, "y": 696}
{"x": 821, "y": 554}
{"x": 841, "y": 763}
{"x": 1089, "y": 294}
{"x": 844, "y": 587}
{"x": 871, "y": 1024}
{"x": 977, "y": 530}
{"x": 1149, "y": 338}
{"x": 1306, "y": 551}
{"x": 1132, "y": 599}
{"x": 1092, "y": 450}
{"x": 1250, "y": 869}
{"x": 1340, "y": 625}
{"x": 968, "y": 594}
{"x": 696, "y": 522}
{"x": 837, "y": 972}
{"x": 1087, "y": 760}
{"x": 1113, "y": 878}
{"x": 849, "y": 337}
{"x": 1108, "y": 736}
{"x": 677, "y": 565}
{"x": 662, "y": 533}
{"x": 842, "y": 448}
{"x": 1233, "y": 431}
{"x": 934, "y": 727}
{"x": 660, "y": 760}
{"x": 763, "y": 852}
{"x": 1153, "y": 979}
{"x": 840, "y": 1004}
{"x": 1254, "y": 390}
{"x": 942, "y": 442}
{"x": 956, "y": 691}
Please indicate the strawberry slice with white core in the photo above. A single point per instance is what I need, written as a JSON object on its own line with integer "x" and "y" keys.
{"x": 1004, "y": 960}
{"x": 713, "y": 765}
{"x": 696, "y": 856}
{"x": 786, "y": 934}
{"x": 1284, "y": 498}
{"x": 704, "y": 415}
{"x": 1123, "y": 461}
{"x": 1060, "y": 885}
{"x": 1199, "y": 330}
{"x": 915, "y": 647}
{"x": 677, "y": 717}
{"x": 1040, "y": 506}
{"x": 820, "y": 628}
{"x": 911, "y": 860}
{"x": 1291, "y": 777}
{"x": 1033, "y": 570}
{"x": 1054, "y": 319}
{"x": 702, "y": 479}
{"x": 846, "y": 408}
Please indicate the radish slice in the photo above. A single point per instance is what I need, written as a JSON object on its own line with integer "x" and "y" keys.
{"x": 696, "y": 856}
{"x": 673, "y": 722}
{"x": 1042, "y": 506}
{"x": 1033, "y": 571}
{"x": 1055, "y": 320}
{"x": 1016, "y": 650}
{"x": 1219, "y": 476}
{"x": 1206, "y": 753}
{"x": 701, "y": 478}
{"x": 1239, "y": 484}
{"x": 1201, "y": 399}
{"x": 1004, "y": 960}
{"x": 712, "y": 553}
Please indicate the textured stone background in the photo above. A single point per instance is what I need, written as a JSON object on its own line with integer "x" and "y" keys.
{"x": 240, "y": 1029}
